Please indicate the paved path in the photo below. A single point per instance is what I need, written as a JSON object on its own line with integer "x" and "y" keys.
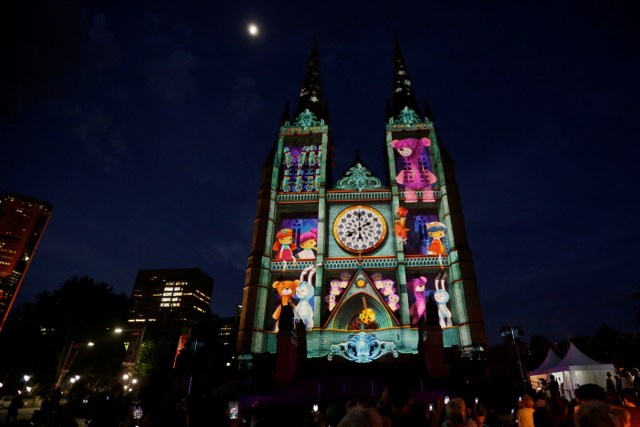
{"x": 23, "y": 413}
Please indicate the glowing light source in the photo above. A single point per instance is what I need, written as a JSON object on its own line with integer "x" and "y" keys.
{"x": 253, "y": 29}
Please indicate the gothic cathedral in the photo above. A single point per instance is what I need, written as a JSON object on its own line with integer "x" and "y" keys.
{"x": 362, "y": 265}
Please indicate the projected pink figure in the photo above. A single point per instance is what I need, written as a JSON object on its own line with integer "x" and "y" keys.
{"x": 414, "y": 176}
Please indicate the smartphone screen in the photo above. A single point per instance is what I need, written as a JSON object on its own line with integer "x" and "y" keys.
{"x": 233, "y": 410}
{"x": 136, "y": 410}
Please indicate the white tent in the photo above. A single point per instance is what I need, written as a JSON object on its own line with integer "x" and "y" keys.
{"x": 540, "y": 373}
{"x": 575, "y": 369}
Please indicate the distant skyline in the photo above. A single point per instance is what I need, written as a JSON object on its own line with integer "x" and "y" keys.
{"x": 146, "y": 124}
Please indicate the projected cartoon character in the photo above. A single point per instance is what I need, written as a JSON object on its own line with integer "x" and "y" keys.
{"x": 441, "y": 296}
{"x": 387, "y": 287}
{"x": 313, "y": 155}
{"x": 399, "y": 225}
{"x": 288, "y": 158}
{"x": 304, "y": 293}
{"x": 417, "y": 309}
{"x": 437, "y": 242}
{"x": 286, "y": 289}
{"x": 414, "y": 175}
{"x": 286, "y": 183}
{"x": 309, "y": 244}
{"x": 284, "y": 247}
{"x": 316, "y": 180}
{"x": 344, "y": 279}
{"x": 364, "y": 319}
{"x": 377, "y": 280}
{"x": 298, "y": 186}
{"x": 392, "y": 301}
{"x": 335, "y": 289}
{"x": 302, "y": 158}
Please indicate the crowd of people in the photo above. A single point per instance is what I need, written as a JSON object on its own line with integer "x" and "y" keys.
{"x": 592, "y": 406}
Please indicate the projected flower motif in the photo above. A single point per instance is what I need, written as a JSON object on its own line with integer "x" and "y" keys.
{"x": 358, "y": 178}
{"x": 307, "y": 119}
{"x": 407, "y": 117}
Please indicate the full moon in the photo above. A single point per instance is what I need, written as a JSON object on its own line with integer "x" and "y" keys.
{"x": 253, "y": 30}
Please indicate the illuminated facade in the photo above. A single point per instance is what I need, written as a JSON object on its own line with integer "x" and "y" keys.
{"x": 186, "y": 292}
{"x": 22, "y": 222}
{"x": 362, "y": 262}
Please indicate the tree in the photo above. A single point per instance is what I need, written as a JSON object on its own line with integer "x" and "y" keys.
{"x": 57, "y": 327}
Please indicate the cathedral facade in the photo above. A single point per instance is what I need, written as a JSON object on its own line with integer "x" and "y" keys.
{"x": 364, "y": 264}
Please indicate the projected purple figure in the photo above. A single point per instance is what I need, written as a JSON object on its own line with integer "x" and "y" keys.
{"x": 414, "y": 176}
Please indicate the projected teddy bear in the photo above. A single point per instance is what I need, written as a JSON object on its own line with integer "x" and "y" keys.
{"x": 344, "y": 279}
{"x": 414, "y": 176}
{"x": 417, "y": 309}
{"x": 286, "y": 289}
{"x": 377, "y": 280}
{"x": 392, "y": 301}
{"x": 387, "y": 287}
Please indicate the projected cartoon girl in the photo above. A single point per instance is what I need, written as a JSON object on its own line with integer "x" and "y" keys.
{"x": 437, "y": 242}
{"x": 284, "y": 246}
{"x": 309, "y": 244}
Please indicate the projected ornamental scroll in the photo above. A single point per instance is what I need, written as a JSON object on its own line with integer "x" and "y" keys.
{"x": 362, "y": 347}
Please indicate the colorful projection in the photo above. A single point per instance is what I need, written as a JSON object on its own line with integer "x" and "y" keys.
{"x": 437, "y": 242}
{"x": 385, "y": 284}
{"x": 414, "y": 166}
{"x": 417, "y": 286}
{"x": 335, "y": 288}
{"x": 304, "y": 296}
{"x": 296, "y": 239}
{"x": 309, "y": 244}
{"x": 301, "y": 171}
{"x": 284, "y": 246}
{"x": 411, "y": 227}
{"x": 362, "y": 348}
{"x": 423, "y": 287}
{"x": 442, "y": 298}
{"x": 400, "y": 224}
{"x": 285, "y": 289}
{"x": 298, "y": 294}
{"x": 363, "y": 319}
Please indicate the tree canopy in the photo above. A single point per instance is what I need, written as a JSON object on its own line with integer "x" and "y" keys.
{"x": 44, "y": 332}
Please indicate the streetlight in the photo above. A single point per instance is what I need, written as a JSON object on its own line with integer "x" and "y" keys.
{"x": 70, "y": 357}
{"x": 515, "y": 332}
{"x": 26, "y": 380}
{"x": 132, "y": 354}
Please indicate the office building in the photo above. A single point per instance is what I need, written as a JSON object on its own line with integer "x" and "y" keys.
{"x": 22, "y": 222}
{"x": 186, "y": 292}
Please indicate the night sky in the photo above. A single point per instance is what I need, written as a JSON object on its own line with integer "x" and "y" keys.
{"x": 146, "y": 124}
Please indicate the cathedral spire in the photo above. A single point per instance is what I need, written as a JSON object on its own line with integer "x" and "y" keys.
{"x": 402, "y": 96}
{"x": 311, "y": 94}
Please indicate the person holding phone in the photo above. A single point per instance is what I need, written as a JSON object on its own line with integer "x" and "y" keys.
{"x": 456, "y": 414}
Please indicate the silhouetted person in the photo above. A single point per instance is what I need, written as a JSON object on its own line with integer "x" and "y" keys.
{"x": 12, "y": 412}
{"x": 612, "y": 394}
{"x": 554, "y": 387}
{"x": 398, "y": 407}
{"x": 286, "y": 318}
{"x": 431, "y": 311}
